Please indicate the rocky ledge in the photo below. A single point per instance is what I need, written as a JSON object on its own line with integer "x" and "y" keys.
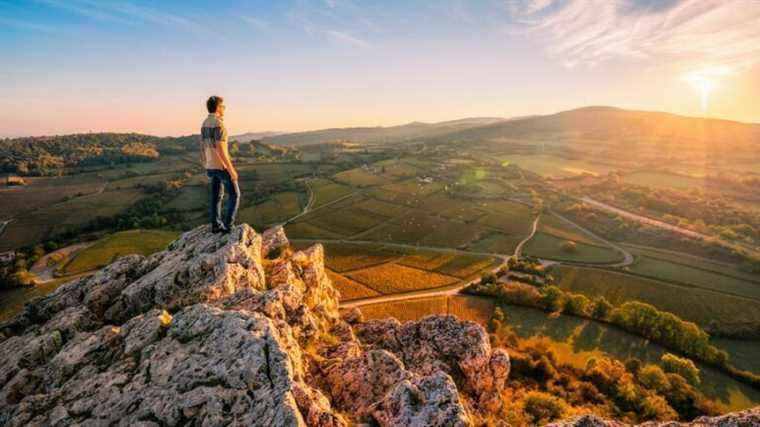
{"x": 240, "y": 330}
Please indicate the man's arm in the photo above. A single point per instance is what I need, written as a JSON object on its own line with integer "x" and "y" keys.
{"x": 224, "y": 154}
{"x": 203, "y": 152}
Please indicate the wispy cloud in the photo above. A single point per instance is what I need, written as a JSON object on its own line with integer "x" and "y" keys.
{"x": 347, "y": 39}
{"x": 26, "y": 25}
{"x": 86, "y": 9}
{"x": 257, "y": 23}
{"x": 124, "y": 12}
{"x": 339, "y": 21}
{"x": 589, "y": 32}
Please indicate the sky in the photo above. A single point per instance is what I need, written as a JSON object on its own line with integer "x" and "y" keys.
{"x": 74, "y": 66}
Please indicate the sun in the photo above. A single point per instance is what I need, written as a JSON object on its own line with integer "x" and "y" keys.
{"x": 704, "y": 85}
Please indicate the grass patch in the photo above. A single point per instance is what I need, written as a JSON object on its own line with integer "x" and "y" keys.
{"x": 544, "y": 245}
{"x": 497, "y": 242}
{"x": 393, "y": 278}
{"x": 143, "y": 242}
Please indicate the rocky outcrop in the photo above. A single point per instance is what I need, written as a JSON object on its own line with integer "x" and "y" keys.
{"x": 241, "y": 330}
{"x": 235, "y": 329}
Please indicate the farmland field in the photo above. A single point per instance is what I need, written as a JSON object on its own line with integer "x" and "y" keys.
{"x": 395, "y": 278}
{"x": 360, "y": 178}
{"x": 497, "y": 243}
{"x": 143, "y": 242}
{"x": 466, "y": 307}
{"x": 663, "y": 180}
{"x": 680, "y": 273}
{"x": 327, "y": 191}
{"x": 575, "y": 340}
{"x": 694, "y": 304}
{"x": 349, "y": 289}
{"x": 552, "y": 166}
{"x": 343, "y": 257}
{"x": 546, "y": 246}
{"x": 745, "y": 354}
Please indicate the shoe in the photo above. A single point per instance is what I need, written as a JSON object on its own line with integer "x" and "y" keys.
{"x": 219, "y": 230}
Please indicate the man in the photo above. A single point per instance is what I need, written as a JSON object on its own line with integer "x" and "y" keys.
{"x": 215, "y": 157}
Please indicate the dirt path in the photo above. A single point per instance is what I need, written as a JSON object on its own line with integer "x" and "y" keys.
{"x": 45, "y": 272}
{"x": 3, "y": 225}
{"x": 519, "y": 248}
{"x": 644, "y": 219}
{"x": 627, "y": 256}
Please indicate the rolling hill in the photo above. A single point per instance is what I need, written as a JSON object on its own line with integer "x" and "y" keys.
{"x": 409, "y": 131}
{"x": 610, "y": 122}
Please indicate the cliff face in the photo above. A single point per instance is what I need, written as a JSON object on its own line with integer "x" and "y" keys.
{"x": 240, "y": 330}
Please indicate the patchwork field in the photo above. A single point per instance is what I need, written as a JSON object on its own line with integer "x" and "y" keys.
{"x": 107, "y": 249}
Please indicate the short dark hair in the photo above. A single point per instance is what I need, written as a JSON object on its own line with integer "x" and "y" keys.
{"x": 213, "y": 102}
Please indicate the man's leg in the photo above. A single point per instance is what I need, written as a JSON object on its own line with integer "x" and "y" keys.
{"x": 215, "y": 199}
{"x": 233, "y": 200}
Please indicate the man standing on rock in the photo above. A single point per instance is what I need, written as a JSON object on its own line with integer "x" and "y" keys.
{"x": 215, "y": 157}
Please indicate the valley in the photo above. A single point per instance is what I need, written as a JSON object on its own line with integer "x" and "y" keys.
{"x": 591, "y": 201}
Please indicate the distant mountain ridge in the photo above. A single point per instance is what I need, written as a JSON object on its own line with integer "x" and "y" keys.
{"x": 252, "y": 136}
{"x": 611, "y": 122}
{"x": 409, "y": 131}
{"x": 595, "y": 121}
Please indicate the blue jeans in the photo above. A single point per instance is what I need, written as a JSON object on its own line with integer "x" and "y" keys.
{"x": 217, "y": 179}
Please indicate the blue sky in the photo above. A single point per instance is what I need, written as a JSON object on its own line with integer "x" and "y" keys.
{"x": 147, "y": 66}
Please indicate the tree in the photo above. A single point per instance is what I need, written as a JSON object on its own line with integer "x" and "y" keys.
{"x": 601, "y": 308}
{"x": 552, "y": 298}
{"x": 681, "y": 366}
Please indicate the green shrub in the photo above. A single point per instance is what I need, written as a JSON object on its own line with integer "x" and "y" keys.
{"x": 543, "y": 407}
{"x": 681, "y": 366}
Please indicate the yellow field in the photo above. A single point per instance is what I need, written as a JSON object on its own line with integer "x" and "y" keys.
{"x": 349, "y": 289}
{"x": 465, "y": 307}
{"x": 394, "y": 278}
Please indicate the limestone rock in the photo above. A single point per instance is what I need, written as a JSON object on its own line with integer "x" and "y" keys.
{"x": 228, "y": 329}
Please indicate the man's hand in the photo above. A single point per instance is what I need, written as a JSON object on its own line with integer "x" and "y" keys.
{"x": 233, "y": 174}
